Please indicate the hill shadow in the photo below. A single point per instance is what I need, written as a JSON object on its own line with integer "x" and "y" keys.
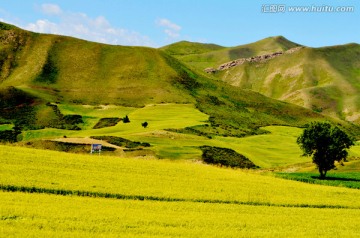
{"x": 336, "y": 178}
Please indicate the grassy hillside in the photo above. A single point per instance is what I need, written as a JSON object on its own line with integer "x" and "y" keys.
{"x": 187, "y": 48}
{"x": 277, "y": 148}
{"x": 72, "y": 71}
{"x": 62, "y": 87}
{"x": 57, "y": 194}
{"x": 325, "y": 79}
{"x": 78, "y": 71}
{"x": 214, "y": 58}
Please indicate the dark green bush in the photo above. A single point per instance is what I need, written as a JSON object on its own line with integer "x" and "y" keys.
{"x": 9, "y": 135}
{"x": 107, "y": 122}
{"x": 225, "y": 157}
{"x": 73, "y": 119}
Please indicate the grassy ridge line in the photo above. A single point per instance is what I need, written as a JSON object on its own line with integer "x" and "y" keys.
{"x": 200, "y": 59}
{"x": 12, "y": 188}
{"x": 187, "y": 48}
{"x": 82, "y": 72}
{"x": 59, "y": 68}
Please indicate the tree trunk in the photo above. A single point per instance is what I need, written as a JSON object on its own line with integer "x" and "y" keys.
{"x": 322, "y": 173}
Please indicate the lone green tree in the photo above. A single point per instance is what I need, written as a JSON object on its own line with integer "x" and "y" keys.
{"x": 126, "y": 119}
{"x": 326, "y": 144}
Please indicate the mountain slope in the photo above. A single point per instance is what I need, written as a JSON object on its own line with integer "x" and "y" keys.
{"x": 216, "y": 57}
{"x": 57, "y": 69}
{"x": 187, "y": 48}
{"x": 85, "y": 72}
{"x": 322, "y": 79}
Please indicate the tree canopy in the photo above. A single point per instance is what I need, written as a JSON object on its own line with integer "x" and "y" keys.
{"x": 326, "y": 144}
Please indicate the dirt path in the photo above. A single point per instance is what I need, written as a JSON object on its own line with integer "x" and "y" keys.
{"x": 86, "y": 140}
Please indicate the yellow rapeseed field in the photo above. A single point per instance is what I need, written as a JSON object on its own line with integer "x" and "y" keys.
{"x": 161, "y": 198}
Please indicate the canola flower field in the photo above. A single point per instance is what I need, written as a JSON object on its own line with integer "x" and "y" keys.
{"x": 47, "y": 193}
{"x": 42, "y": 215}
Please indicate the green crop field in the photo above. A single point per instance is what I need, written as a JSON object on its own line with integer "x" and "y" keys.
{"x": 112, "y": 196}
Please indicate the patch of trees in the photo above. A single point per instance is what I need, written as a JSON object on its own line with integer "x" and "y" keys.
{"x": 126, "y": 119}
{"x": 9, "y": 135}
{"x": 107, "y": 122}
{"x": 214, "y": 100}
{"x": 225, "y": 157}
{"x": 18, "y": 108}
{"x": 67, "y": 122}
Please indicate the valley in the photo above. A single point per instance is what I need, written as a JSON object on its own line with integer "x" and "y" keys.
{"x": 160, "y": 118}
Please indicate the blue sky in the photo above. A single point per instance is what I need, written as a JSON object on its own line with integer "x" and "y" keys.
{"x": 160, "y": 22}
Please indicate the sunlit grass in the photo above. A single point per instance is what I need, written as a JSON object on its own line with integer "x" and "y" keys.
{"x": 4, "y": 127}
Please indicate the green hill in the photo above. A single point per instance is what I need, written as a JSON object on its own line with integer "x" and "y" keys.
{"x": 324, "y": 79}
{"x": 78, "y": 71}
{"x": 218, "y": 56}
{"x": 55, "y": 71}
{"x": 187, "y": 48}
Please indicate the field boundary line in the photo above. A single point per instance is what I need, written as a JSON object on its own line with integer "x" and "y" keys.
{"x": 79, "y": 193}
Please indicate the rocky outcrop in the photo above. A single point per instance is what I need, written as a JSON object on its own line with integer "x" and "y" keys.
{"x": 257, "y": 59}
{"x": 210, "y": 70}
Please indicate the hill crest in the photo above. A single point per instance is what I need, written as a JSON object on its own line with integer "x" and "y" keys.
{"x": 65, "y": 70}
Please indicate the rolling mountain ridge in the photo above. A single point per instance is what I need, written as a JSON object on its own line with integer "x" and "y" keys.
{"x": 63, "y": 70}
{"x": 324, "y": 79}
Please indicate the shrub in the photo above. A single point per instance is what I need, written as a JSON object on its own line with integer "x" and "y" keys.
{"x": 9, "y": 135}
{"x": 225, "y": 157}
{"x": 126, "y": 119}
{"x": 107, "y": 122}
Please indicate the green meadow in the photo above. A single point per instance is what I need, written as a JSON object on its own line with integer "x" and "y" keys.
{"x": 275, "y": 148}
{"x": 4, "y": 127}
